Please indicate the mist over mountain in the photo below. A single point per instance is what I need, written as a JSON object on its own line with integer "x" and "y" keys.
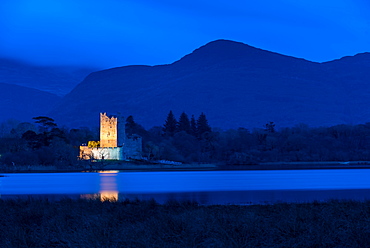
{"x": 234, "y": 84}
{"x": 22, "y": 103}
{"x": 58, "y": 80}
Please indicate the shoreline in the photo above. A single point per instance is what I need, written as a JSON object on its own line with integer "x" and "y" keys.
{"x": 192, "y": 167}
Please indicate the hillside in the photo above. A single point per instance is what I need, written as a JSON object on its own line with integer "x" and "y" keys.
{"x": 22, "y": 103}
{"x": 236, "y": 85}
{"x": 55, "y": 80}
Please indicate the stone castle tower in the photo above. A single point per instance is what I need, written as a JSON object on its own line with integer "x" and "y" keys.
{"x": 108, "y": 131}
{"x": 112, "y": 131}
{"x": 113, "y": 141}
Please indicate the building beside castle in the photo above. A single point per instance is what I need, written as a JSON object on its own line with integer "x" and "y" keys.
{"x": 113, "y": 144}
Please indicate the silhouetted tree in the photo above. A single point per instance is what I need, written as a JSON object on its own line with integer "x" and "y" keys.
{"x": 46, "y": 123}
{"x": 202, "y": 125}
{"x": 34, "y": 140}
{"x": 22, "y": 128}
{"x": 193, "y": 126}
{"x": 156, "y": 134}
{"x": 170, "y": 125}
{"x": 187, "y": 145}
{"x": 209, "y": 145}
{"x": 57, "y": 132}
{"x": 130, "y": 125}
{"x": 270, "y": 127}
{"x": 184, "y": 123}
{"x": 134, "y": 128}
{"x": 76, "y": 137}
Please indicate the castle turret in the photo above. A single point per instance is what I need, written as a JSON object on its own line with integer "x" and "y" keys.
{"x": 108, "y": 131}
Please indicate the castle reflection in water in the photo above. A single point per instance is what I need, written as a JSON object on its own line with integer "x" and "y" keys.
{"x": 108, "y": 187}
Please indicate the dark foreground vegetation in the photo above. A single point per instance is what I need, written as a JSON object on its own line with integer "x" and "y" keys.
{"x": 91, "y": 223}
{"x": 187, "y": 140}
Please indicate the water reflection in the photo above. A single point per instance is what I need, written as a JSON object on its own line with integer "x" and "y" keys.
{"x": 108, "y": 186}
{"x": 108, "y": 189}
{"x": 210, "y": 187}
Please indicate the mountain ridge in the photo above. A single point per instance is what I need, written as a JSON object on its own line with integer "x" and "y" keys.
{"x": 34, "y": 102}
{"x": 59, "y": 80}
{"x": 236, "y": 85}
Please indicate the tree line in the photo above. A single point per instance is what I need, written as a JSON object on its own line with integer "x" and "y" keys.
{"x": 41, "y": 143}
{"x": 193, "y": 127}
{"x": 195, "y": 141}
{"x": 189, "y": 140}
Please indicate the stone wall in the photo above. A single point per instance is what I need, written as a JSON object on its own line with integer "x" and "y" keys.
{"x": 111, "y": 153}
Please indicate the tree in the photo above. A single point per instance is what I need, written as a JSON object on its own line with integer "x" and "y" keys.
{"x": 46, "y": 123}
{"x": 193, "y": 126}
{"x": 57, "y": 132}
{"x": 170, "y": 125}
{"x": 48, "y": 132}
{"x": 130, "y": 125}
{"x": 202, "y": 125}
{"x": 7, "y": 126}
{"x": 152, "y": 150}
{"x": 22, "y": 128}
{"x": 184, "y": 123}
{"x": 187, "y": 145}
{"x": 270, "y": 127}
{"x": 76, "y": 137}
{"x": 33, "y": 139}
{"x": 134, "y": 128}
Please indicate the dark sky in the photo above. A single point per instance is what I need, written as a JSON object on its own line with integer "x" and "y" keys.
{"x": 113, "y": 33}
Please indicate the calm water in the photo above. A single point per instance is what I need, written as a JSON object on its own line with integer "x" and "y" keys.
{"x": 206, "y": 187}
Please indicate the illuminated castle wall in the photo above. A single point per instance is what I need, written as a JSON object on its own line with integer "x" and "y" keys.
{"x": 108, "y": 131}
{"x": 113, "y": 144}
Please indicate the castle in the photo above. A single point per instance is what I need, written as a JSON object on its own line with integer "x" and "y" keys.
{"x": 113, "y": 144}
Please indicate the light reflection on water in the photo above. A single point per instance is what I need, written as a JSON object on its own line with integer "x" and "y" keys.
{"x": 204, "y": 187}
{"x": 108, "y": 186}
{"x": 108, "y": 189}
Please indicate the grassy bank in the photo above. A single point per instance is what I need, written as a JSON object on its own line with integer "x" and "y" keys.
{"x": 82, "y": 223}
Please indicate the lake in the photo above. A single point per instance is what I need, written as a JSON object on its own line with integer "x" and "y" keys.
{"x": 205, "y": 187}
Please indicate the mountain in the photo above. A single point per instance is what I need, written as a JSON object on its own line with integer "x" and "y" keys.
{"x": 57, "y": 80}
{"x": 234, "y": 84}
{"x": 22, "y": 103}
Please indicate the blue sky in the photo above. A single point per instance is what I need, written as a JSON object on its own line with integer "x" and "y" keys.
{"x": 114, "y": 33}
